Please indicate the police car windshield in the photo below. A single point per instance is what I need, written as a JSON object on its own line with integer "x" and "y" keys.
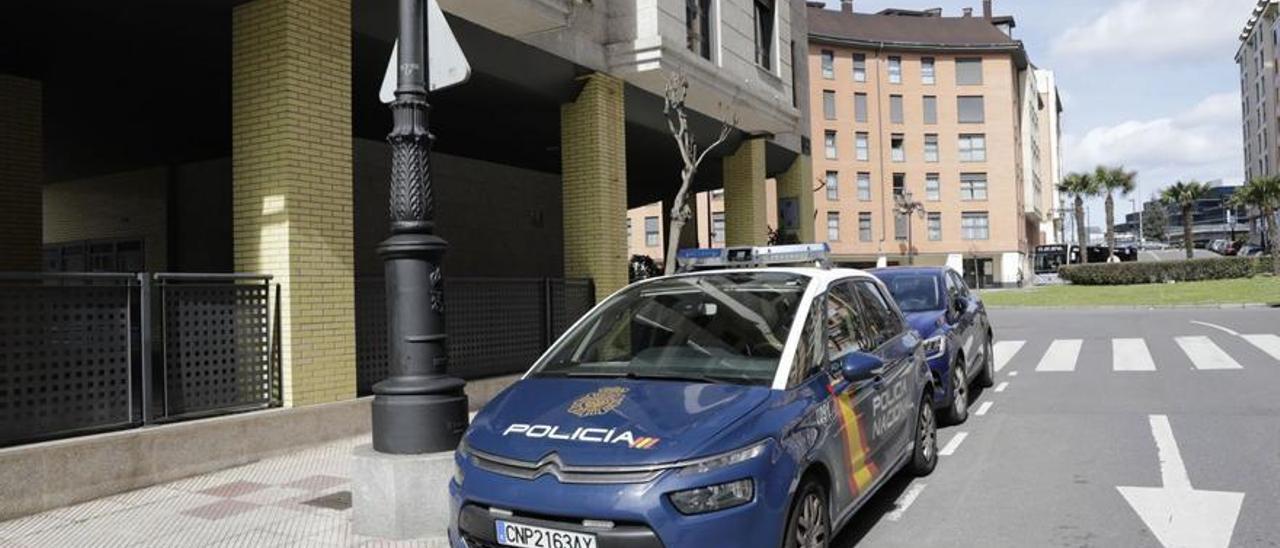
{"x": 915, "y": 292}
{"x": 723, "y": 327}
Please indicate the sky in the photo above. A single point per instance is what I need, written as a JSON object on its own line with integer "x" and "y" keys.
{"x": 1148, "y": 84}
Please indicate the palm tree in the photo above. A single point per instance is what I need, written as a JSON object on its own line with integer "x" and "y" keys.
{"x": 1080, "y": 185}
{"x": 1110, "y": 180}
{"x": 1185, "y": 195}
{"x": 1263, "y": 194}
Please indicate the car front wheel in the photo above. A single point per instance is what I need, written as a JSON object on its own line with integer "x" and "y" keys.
{"x": 958, "y": 411}
{"x": 925, "y": 456}
{"x": 988, "y": 375}
{"x": 810, "y": 523}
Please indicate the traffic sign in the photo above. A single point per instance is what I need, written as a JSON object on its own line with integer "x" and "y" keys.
{"x": 445, "y": 61}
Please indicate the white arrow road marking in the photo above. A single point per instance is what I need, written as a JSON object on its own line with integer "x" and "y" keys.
{"x": 1131, "y": 355}
{"x": 905, "y": 501}
{"x": 1005, "y": 351}
{"x": 1266, "y": 343}
{"x": 951, "y": 446}
{"x": 982, "y": 409}
{"x": 1061, "y": 355}
{"x": 1204, "y": 354}
{"x": 1178, "y": 515}
{"x": 1223, "y": 329}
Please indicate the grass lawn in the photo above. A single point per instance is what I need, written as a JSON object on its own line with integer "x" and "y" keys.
{"x": 1259, "y": 289}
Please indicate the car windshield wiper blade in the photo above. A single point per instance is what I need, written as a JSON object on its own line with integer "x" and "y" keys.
{"x": 693, "y": 377}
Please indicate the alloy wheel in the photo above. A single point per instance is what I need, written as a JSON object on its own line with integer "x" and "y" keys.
{"x": 959, "y": 390}
{"x": 928, "y": 435}
{"x": 811, "y": 527}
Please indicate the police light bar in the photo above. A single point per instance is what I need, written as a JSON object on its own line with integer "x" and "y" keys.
{"x": 741, "y": 257}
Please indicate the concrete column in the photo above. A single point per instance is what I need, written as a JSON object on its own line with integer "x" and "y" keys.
{"x": 21, "y": 174}
{"x": 796, "y": 184}
{"x": 745, "y": 199}
{"x": 593, "y": 156}
{"x": 292, "y": 173}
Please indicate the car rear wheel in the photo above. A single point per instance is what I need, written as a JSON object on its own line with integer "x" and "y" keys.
{"x": 925, "y": 456}
{"x": 958, "y": 411}
{"x": 988, "y": 375}
{"x": 810, "y": 523}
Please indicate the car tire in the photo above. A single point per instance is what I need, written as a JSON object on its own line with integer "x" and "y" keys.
{"x": 988, "y": 375}
{"x": 809, "y": 522}
{"x": 957, "y": 411}
{"x": 924, "y": 457}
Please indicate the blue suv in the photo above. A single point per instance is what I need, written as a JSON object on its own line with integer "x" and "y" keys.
{"x": 756, "y": 407}
{"x": 957, "y": 335}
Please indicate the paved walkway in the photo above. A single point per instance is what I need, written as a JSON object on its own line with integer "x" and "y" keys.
{"x": 303, "y": 499}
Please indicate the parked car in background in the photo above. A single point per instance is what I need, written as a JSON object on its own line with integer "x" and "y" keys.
{"x": 1251, "y": 250}
{"x": 953, "y": 323}
{"x": 1223, "y": 247}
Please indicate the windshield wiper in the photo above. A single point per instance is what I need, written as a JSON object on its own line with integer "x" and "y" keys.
{"x": 692, "y": 377}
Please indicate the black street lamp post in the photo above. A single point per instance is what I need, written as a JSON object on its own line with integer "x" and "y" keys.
{"x": 418, "y": 408}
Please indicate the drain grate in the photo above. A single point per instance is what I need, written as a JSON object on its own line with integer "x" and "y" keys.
{"x": 340, "y": 500}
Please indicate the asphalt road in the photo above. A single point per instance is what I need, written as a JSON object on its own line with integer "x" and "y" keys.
{"x": 1190, "y": 410}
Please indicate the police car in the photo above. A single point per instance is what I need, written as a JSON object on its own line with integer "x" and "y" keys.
{"x": 753, "y": 406}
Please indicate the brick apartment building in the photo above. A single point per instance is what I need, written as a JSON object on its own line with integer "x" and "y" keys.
{"x": 947, "y": 110}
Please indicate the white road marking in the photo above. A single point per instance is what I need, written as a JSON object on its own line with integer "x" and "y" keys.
{"x": 982, "y": 409}
{"x": 1266, "y": 343}
{"x": 1226, "y": 330}
{"x": 1061, "y": 355}
{"x": 1131, "y": 355}
{"x": 1000, "y": 387}
{"x": 1177, "y": 514}
{"x": 951, "y": 446}
{"x": 1005, "y": 351}
{"x": 1205, "y": 354}
{"x": 905, "y": 501}
{"x": 1013, "y": 373}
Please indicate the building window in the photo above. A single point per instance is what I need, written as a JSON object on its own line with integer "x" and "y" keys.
{"x": 899, "y": 184}
{"x": 932, "y": 187}
{"x": 930, "y": 109}
{"x": 864, "y": 186}
{"x": 864, "y": 226}
{"x": 935, "y": 227}
{"x": 895, "y": 70}
{"x": 968, "y": 72}
{"x": 899, "y": 151}
{"x": 764, "y": 33}
{"x": 862, "y": 146}
{"x": 830, "y": 140}
{"x": 717, "y": 227}
{"x": 828, "y": 64}
{"x": 895, "y": 109}
{"x": 698, "y": 27}
{"x": 975, "y": 225}
{"x": 859, "y": 67}
{"x": 651, "y": 238}
{"x": 926, "y": 71}
{"x": 969, "y": 109}
{"x": 973, "y": 186}
{"x": 833, "y": 185}
{"x": 973, "y": 147}
{"x": 833, "y": 226}
{"x": 931, "y": 147}
{"x": 860, "y": 107}
{"x": 829, "y": 104}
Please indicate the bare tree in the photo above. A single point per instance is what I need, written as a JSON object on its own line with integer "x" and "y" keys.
{"x": 677, "y": 121}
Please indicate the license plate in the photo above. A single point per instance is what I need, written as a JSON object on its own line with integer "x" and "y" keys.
{"x": 528, "y": 536}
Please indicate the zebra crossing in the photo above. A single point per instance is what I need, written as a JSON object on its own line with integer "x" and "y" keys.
{"x": 1133, "y": 354}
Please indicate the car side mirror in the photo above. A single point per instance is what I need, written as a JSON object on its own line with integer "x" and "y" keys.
{"x": 958, "y": 305}
{"x": 860, "y": 366}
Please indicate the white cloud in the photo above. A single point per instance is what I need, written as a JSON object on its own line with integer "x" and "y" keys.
{"x": 1158, "y": 30}
{"x": 1203, "y": 142}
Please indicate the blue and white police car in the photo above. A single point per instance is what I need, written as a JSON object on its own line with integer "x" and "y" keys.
{"x": 726, "y": 406}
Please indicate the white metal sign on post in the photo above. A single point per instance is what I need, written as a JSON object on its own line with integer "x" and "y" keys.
{"x": 445, "y": 61}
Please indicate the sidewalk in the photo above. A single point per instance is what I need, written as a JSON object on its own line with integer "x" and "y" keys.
{"x": 303, "y": 499}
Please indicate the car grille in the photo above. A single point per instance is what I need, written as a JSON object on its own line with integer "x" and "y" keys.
{"x": 551, "y": 465}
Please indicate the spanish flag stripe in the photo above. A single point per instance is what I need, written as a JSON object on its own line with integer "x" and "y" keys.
{"x": 863, "y": 470}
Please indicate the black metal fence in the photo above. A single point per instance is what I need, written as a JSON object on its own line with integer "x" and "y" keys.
{"x": 83, "y": 353}
{"x": 496, "y": 326}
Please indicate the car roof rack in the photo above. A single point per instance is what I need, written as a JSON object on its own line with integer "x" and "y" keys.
{"x": 708, "y": 258}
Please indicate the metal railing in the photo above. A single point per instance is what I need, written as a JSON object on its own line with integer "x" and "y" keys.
{"x": 496, "y": 326}
{"x": 83, "y": 353}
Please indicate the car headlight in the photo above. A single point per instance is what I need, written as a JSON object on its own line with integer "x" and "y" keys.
{"x": 458, "y": 457}
{"x": 714, "y": 497}
{"x": 935, "y": 346}
{"x": 722, "y": 460}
